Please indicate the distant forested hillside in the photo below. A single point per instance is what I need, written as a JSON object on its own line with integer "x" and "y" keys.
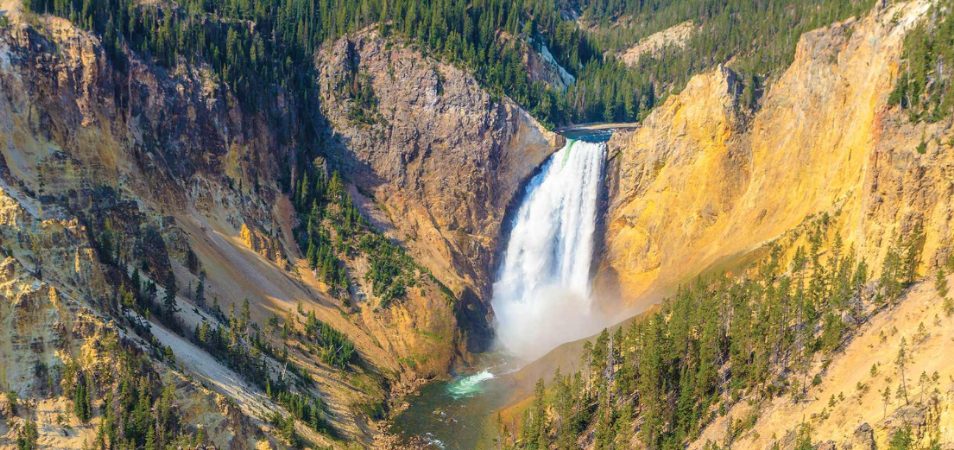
{"x": 755, "y": 37}
{"x": 260, "y": 46}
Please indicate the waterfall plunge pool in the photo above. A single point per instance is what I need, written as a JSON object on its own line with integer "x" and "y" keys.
{"x": 455, "y": 414}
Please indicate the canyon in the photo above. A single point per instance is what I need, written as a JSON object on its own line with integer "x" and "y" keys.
{"x": 115, "y": 169}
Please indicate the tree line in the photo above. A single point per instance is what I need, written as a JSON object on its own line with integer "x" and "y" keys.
{"x": 137, "y": 408}
{"x": 240, "y": 345}
{"x": 925, "y": 86}
{"x": 754, "y": 38}
{"x": 260, "y": 48}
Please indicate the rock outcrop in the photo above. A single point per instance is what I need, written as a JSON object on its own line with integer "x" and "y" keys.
{"x": 674, "y": 36}
{"x": 704, "y": 182}
{"x": 52, "y": 292}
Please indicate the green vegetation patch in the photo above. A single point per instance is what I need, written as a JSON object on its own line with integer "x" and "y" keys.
{"x": 925, "y": 87}
{"x": 332, "y": 229}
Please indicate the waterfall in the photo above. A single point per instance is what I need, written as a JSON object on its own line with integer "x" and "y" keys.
{"x": 541, "y": 296}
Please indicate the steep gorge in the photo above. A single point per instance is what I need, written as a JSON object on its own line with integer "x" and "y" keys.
{"x": 165, "y": 171}
{"x": 162, "y": 170}
{"x": 709, "y": 188}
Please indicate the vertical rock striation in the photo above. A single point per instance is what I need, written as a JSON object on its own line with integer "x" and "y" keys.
{"x": 704, "y": 182}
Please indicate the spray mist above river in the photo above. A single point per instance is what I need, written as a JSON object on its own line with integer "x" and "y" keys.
{"x": 541, "y": 296}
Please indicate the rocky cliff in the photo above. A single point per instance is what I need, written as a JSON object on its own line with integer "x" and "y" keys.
{"x": 438, "y": 159}
{"x": 715, "y": 181}
{"x": 105, "y": 170}
{"x": 704, "y": 182}
{"x": 53, "y": 322}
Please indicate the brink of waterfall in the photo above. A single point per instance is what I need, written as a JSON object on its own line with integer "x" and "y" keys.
{"x": 541, "y": 296}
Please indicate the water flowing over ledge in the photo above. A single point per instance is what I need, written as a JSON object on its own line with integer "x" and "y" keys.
{"x": 541, "y": 296}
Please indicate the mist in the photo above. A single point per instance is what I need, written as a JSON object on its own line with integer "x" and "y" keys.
{"x": 528, "y": 331}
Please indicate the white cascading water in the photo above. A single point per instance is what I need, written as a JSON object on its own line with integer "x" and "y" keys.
{"x": 541, "y": 296}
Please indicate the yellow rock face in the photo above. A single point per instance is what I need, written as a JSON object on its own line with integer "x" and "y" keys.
{"x": 703, "y": 183}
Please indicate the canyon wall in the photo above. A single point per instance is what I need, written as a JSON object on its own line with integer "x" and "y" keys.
{"x": 162, "y": 170}
{"x": 705, "y": 181}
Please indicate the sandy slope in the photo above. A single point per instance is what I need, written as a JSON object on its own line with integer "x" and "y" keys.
{"x": 877, "y": 343}
{"x": 204, "y": 365}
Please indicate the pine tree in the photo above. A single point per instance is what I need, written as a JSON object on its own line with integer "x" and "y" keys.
{"x": 136, "y": 281}
{"x": 169, "y": 305}
{"x": 913, "y": 245}
{"x": 539, "y": 417}
{"x": 901, "y": 362}
{"x": 27, "y": 436}
{"x": 940, "y": 282}
{"x": 892, "y": 273}
{"x": 200, "y": 290}
{"x": 81, "y": 399}
{"x": 886, "y": 399}
{"x": 901, "y": 439}
{"x": 304, "y": 197}
{"x": 245, "y": 316}
{"x": 151, "y": 439}
{"x": 804, "y": 440}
